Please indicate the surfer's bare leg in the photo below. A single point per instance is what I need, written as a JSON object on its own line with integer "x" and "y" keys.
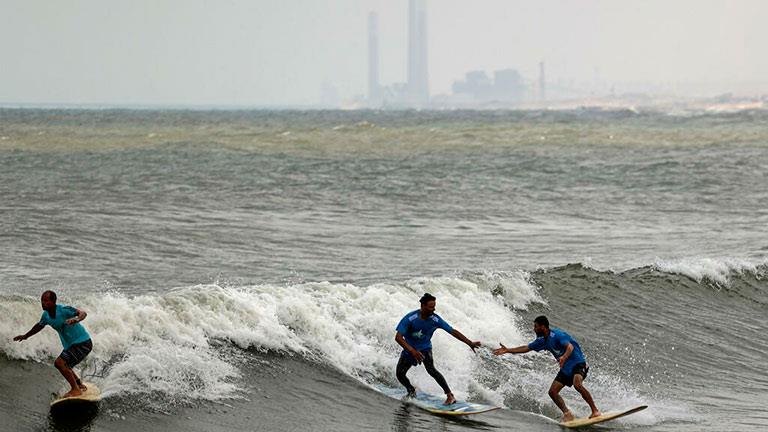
{"x": 79, "y": 382}
{"x": 578, "y": 384}
{"x": 69, "y": 375}
{"x": 554, "y": 393}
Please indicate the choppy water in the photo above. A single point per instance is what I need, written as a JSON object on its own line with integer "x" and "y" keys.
{"x": 234, "y": 264}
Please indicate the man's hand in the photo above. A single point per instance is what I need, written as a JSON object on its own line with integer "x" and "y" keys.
{"x": 20, "y": 338}
{"x": 474, "y": 345}
{"x": 566, "y": 354}
{"x": 500, "y": 351}
{"x": 419, "y": 357}
{"x": 72, "y": 321}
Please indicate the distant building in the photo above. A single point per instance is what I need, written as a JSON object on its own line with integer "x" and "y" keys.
{"x": 414, "y": 93}
{"x": 476, "y": 84}
{"x": 418, "y": 77}
{"x": 395, "y": 96}
{"x": 506, "y": 87}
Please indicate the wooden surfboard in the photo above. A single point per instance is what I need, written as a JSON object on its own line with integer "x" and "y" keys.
{"x": 90, "y": 396}
{"x": 586, "y": 421}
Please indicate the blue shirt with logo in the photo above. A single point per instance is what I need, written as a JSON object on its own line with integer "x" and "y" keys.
{"x": 69, "y": 334}
{"x": 556, "y": 343}
{"x": 418, "y": 332}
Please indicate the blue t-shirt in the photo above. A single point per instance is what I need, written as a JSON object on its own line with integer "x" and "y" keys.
{"x": 418, "y": 332}
{"x": 69, "y": 334}
{"x": 556, "y": 343}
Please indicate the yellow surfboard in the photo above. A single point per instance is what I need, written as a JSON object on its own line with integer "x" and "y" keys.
{"x": 586, "y": 421}
{"x": 91, "y": 395}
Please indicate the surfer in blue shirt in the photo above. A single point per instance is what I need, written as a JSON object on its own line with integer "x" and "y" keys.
{"x": 414, "y": 334}
{"x": 573, "y": 366}
{"x": 75, "y": 339}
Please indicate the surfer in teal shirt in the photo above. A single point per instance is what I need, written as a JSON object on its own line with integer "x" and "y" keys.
{"x": 75, "y": 339}
{"x": 573, "y": 366}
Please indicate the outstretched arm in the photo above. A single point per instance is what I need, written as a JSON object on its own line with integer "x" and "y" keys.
{"x": 80, "y": 315}
{"x": 458, "y": 335}
{"x": 401, "y": 341}
{"x": 564, "y": 357}
{"x": 516, "y": 350}
{"x": 36, "y": 329}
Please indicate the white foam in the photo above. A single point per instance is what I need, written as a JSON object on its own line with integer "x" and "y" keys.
{"x": 20, "y": 314}
{"x": 516, "y": 287}
{"x": 163, "y": 343}
{"x": 166, "y": 344}
{"x": 717, "y": 270}
{"x": 158, "y": 346}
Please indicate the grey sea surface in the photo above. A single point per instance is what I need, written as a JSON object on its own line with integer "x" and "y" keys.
{"x": 244, "y": 270}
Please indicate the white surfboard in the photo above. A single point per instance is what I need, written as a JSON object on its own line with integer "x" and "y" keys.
{"x": 434, "y": 404}
{"x": 91, "y": 395}
{"x": 586, "y": 421}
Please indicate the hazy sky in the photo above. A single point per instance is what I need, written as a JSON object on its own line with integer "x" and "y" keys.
{"x": 281, "y": 52}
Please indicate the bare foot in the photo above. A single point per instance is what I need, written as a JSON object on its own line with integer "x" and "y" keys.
{"x": 73, "y": 392}
{"x": 595, "y": 414}
{"x": 567, "y": 416}
{"x": 449, "y": 399}
{"x": 411, "y": 394}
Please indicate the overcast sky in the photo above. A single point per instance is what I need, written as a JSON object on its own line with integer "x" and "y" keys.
{"x": 281, "y": 52}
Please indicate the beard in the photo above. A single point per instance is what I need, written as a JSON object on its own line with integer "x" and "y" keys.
{"x": 540, "y": 334}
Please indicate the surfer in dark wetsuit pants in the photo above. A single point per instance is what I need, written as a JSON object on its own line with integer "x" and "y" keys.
{"x": 414, "y": 334}
{"x": 573, "y": 366}
{"x": 75, "y": 339}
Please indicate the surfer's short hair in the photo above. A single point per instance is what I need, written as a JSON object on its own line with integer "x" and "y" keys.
{"x": 542, "y": 320}
{"x": 426, "y": 298}
{"x": 50, "y": 294}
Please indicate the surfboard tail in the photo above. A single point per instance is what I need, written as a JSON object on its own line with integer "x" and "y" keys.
{"x": 586, "y": 421}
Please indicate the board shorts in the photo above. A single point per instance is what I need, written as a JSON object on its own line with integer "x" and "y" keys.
{"x": 567, "y": 380}
{"x": 76, "y": 353}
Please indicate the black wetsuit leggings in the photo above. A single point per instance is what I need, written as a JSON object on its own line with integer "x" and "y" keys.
{"x": 405, "y": 363}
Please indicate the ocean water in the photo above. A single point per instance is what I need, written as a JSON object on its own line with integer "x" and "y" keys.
{"x": 245, "y": 270}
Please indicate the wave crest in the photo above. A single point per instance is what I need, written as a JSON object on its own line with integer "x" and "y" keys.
{"x": 170, "y": 343}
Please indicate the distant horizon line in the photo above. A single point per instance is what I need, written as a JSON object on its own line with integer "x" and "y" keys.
{"x": 549, "y": 105}
{"x": 155, "y": 106}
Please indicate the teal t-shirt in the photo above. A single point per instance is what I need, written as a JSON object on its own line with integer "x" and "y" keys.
{"x": 69, "y": 334}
